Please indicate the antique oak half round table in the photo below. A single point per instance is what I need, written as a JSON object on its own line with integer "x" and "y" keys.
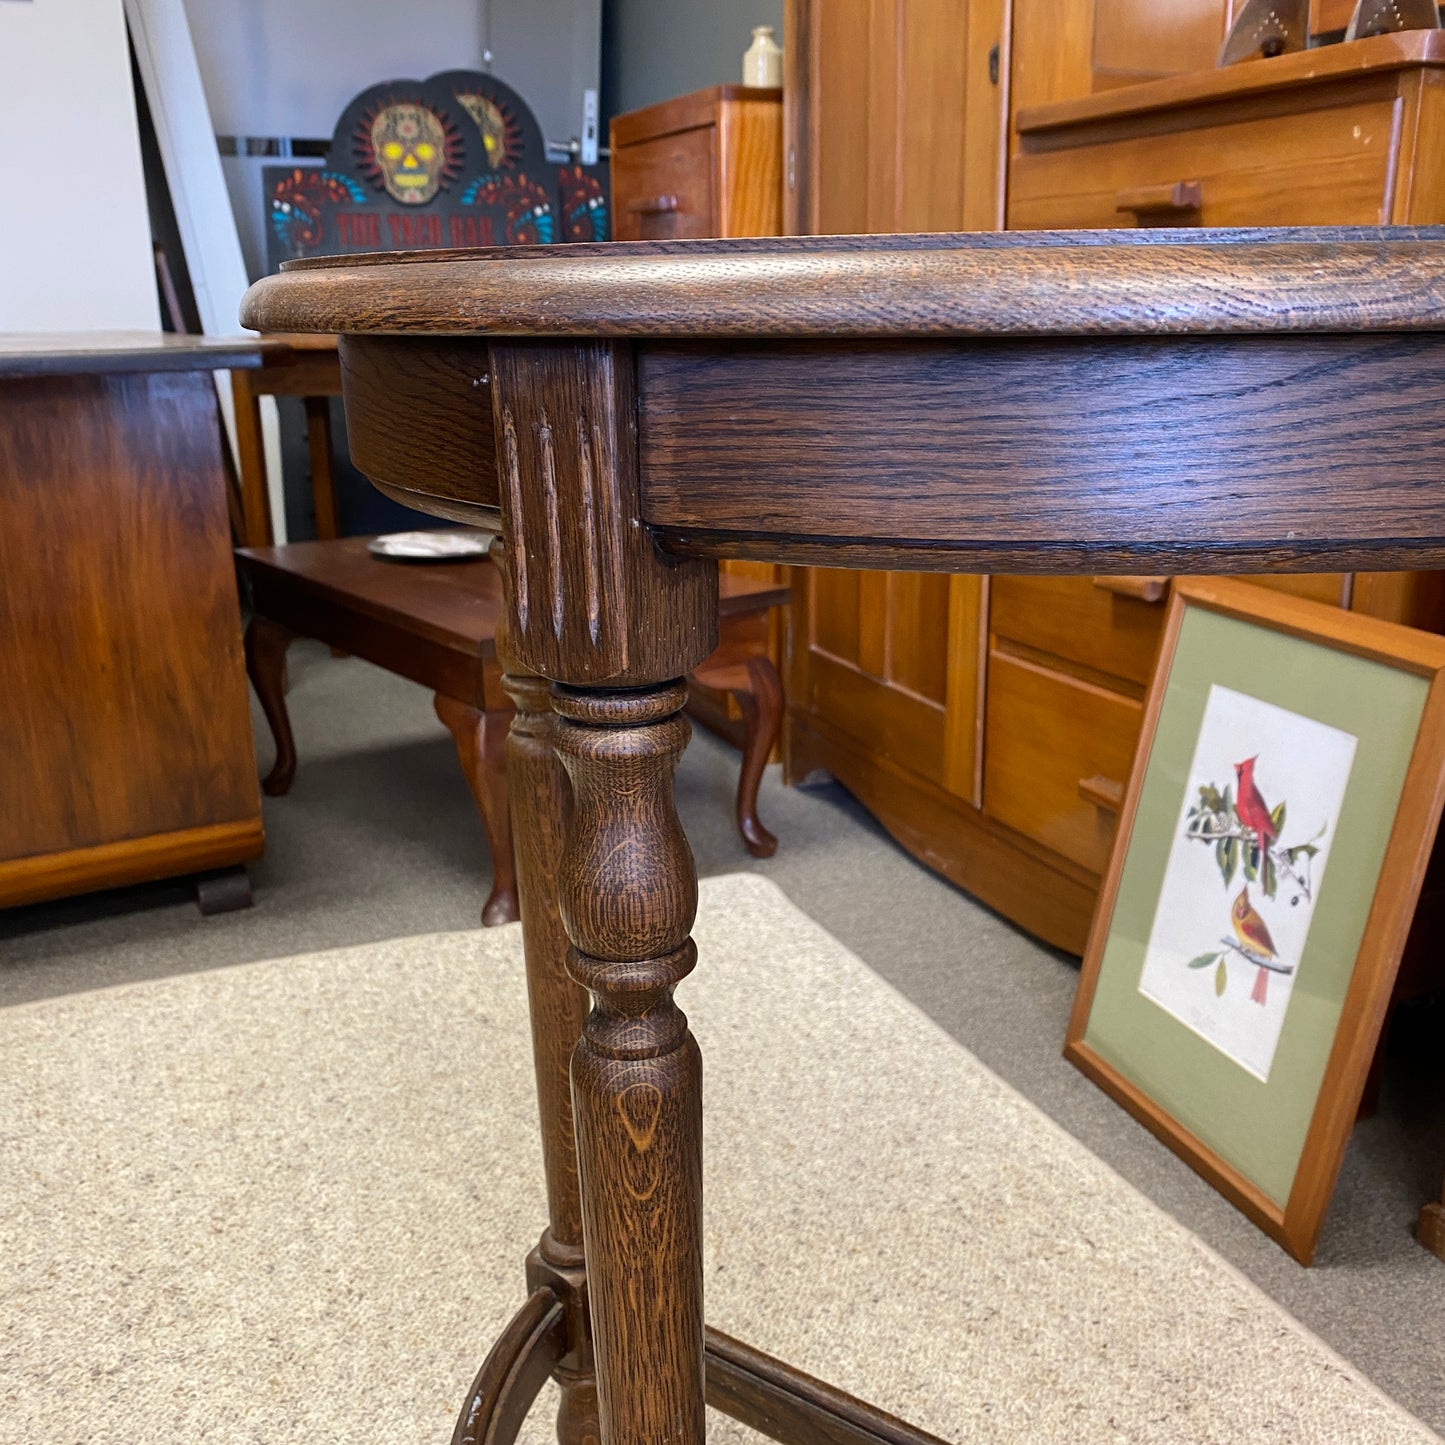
{"x": 1144, "y": 401}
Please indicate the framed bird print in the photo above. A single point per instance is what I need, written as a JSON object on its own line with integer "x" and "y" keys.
{"x": 1271, "y": 848}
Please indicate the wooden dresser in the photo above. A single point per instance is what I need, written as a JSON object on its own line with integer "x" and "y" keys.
{"x": 708, "y": 164}
{"x": 1342, "y": 135}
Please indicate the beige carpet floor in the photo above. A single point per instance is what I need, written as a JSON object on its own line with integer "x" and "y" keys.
{"x": 288, "y": 1201}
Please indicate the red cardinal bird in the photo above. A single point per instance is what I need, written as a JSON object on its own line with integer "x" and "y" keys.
{"x": 1253, "y": 811}
{"x": 1251, "y": 931}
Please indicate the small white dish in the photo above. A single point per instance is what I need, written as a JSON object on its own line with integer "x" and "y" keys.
{"x": 458, "y": 546}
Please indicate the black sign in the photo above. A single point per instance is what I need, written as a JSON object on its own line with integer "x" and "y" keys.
{"x": 454, "y": 160}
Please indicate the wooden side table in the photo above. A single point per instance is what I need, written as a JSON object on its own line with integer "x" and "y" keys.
{"x": 436, "y": 624}
{"x": 1099, "y": 402}
{"x": 124, "y": 726}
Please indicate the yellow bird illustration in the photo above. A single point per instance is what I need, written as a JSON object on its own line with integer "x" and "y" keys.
{"x": 1251, "y": 931}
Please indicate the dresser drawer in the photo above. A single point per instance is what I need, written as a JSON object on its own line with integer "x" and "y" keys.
{"x": 1332, "y": 165}
{"x": 1057, "y": 757}
{"x": 665, "y": 188}
{"x": 1086, "y": 620}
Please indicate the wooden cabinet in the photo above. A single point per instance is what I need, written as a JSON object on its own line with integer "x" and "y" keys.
{"x": 990, "y": 724}
{"x": 1343, "y": 135}
{"x": 896, "y": 121}
{"x": 708, "y": 164}
{"x": 124, "y": 725}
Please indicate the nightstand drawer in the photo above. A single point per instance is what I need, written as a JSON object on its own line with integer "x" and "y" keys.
{"x": 1333, "y": 165}
{"x": 1057, "y": 758}
{"x": 663, "y": 189}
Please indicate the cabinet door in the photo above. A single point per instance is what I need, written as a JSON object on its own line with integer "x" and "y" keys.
{"x": 895, "y": 115}
{"x": 889, "y": 661}
{"x": 893, "y": 124}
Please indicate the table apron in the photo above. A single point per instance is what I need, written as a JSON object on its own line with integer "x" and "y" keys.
{"x": 1214, "y": 454}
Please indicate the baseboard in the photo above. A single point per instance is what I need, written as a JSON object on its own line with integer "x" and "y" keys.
{"x": 133, "y": 860}
{"x": 1049, "y": 899}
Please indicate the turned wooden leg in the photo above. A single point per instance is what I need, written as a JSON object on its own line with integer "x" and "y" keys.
{"x": 558, "y": 1299}
{"x": 762, "y": 705}
{"x": 266, "y": 644}
{"x": 481, "y": 739}
{"x": 593, "y": 604}
{"x": 1431, "y": 1229}
{"x": 251, "y": 459}
{"x": 323, "y": 483}
{"x": 629, "y": 895}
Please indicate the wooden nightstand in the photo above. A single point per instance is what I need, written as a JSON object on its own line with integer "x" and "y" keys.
{"x": 705, "y": 164}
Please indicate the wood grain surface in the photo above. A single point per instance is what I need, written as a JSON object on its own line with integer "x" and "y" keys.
{"x": 628, "y": 897}
{"x": 592, "y": 599}
{"x": 1208, "y": 454}
{"x": 124, "y": 715}
{"x": 969, "y": 284}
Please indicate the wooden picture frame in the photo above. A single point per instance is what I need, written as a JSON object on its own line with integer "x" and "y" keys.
{"x": 1259, "y": 1095}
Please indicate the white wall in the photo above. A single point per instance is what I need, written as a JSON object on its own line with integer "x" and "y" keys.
{"x": 656, "y": 49}
{"x": 75, "y": 244}
{"x": 288, "y": 67}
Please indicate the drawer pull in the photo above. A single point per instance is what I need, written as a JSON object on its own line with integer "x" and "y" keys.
{"x": 1102, "y": 792}
{"x": 654, "y": 206}
{"x": 1168, "y": 200}
{"x": 1142, "y": 589}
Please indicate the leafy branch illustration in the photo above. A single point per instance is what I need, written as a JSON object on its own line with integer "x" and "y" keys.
{"x": 1221, "y": 973}
{"x": 1213, "y": 820}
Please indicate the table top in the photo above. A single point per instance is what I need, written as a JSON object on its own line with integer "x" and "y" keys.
{"x": 1100, "y": 401}
{"x": 92, "y": 352}
{"x": 996, "y": 284}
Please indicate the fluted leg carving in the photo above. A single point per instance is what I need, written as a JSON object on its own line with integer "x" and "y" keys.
{"x": 628, "y": 896}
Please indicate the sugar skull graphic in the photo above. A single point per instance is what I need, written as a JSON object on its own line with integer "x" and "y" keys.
{"x": 584, "y": 207}
{"x": 501, "y": 133}
{"x": 411, "y": 150}
{"x": 528, "y": 208}
{"x": 298, "y": 201}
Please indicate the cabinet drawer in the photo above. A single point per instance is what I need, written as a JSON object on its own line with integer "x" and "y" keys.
{"x": 1099, "y": 624}
{"x": 665, "y": 188}
{"x": 1082, "y": 620}
{"x": 1047, "y": 735}
{"x": 1328, "y": 166}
